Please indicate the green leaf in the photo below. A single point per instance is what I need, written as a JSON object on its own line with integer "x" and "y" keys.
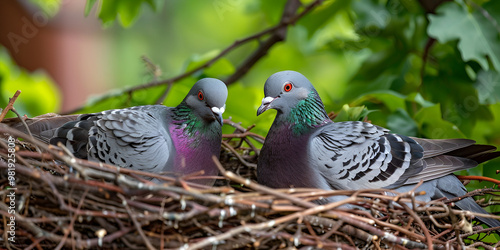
{"x": 478, "y": 37}
{"x": 377, "y": 64}
{"x": 352, "y": 113}
{"x": 219, "y": 68}
{"x": 39, "y": 94}
{"x": 319, "y": 17}
{"x": 432, "y": 125}
{"x": 391, "y": 99}
{"x": 486, "y": 130}
{"x": 488, "y": 87}
{"x": 49, "y": 7}
{"x": 418, "y": 98}
{"x": 128, "y": 11}
{"x": 400, "y": 122}
{"x": 88, "y": 6}
{"x": 271, "y": 10}
{"x": 222, "y": 67}
{"x": 371, "y": 14}
{"x": 155, "y": 4}
{"x": 241, "y": 106}
{"x": 359, "y": 87}
{"x": 108, "y": 11}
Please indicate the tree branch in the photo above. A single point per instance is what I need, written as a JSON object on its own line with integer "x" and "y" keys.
{"x": 277, "y": 32}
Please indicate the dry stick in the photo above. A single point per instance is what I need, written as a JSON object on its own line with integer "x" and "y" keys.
{"x": 346, "y": 217}
{"x": 264, "y": 225}
{"x": 10, "y": 105}
{"x": 479, "y": 178}
{"x": 18, "y": 157}
{"x": 38, "y": 232}
{"x": 243, "y": 130}
{"x": 130, "y": 183}
{"x": 247, "y": 164}
{"x": 72, "y": 222}
{"x": 136, "y": 223}
{"x": 52, "y": 181}
{"x": 397, "y": 228}
{"x": 428, "y": 237}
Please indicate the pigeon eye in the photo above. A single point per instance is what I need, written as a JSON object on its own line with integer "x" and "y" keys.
{"x": 200, "y": 95}
{"x": 287, "y": 87}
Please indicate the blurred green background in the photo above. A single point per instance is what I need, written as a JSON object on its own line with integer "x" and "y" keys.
{"x": 420, "y": 68}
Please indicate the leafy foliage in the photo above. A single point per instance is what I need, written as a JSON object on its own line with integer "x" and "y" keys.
{"x": 39, "y": 93}
{"x": 126, "y": 11}
{"x": 380, "y": 56}
{"x": 473, "y": 30}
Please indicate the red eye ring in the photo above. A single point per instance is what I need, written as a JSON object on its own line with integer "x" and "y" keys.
{"x": 200, "y": 95}
{"x": 287, "y": 87}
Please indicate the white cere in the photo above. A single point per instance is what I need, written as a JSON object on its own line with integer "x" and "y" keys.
{"x": 219, "y": 110}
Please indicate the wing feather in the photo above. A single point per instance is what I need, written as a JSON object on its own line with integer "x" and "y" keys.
{"x": 134, "y": 137}
{"x": 357, "y": 155}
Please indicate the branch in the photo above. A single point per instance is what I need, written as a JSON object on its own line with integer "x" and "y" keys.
{"x": 10, "y": 105}
{"x": 277, "y": 32}
{"x": 478, "y": 178}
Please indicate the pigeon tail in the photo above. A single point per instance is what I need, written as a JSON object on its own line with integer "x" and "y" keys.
{"x": 42, "y": 127}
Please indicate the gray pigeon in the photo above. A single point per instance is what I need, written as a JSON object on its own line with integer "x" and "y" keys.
{"x": 304, "y": 148}
{"x": 153, "y": 138}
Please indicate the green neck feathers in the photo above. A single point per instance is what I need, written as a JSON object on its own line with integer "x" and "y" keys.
{"x": 307, "y": 114}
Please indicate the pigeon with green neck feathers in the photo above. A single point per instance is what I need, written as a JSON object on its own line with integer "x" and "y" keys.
{"x": 304, "y": 148}
{"x": 152, "y": 138}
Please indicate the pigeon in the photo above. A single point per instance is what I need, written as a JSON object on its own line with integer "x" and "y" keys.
{"x": 304, "y": 148}
{"x": 152, "y": 138}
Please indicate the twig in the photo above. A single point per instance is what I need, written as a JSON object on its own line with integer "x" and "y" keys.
{"x": 230, "y": 148}
{"x": 478, "y": 178}
{"x": 175, "y": 215}
{"x": 10, "y": 105}
{"x": 136, "y": 223}
{"x": 72, "y": 222}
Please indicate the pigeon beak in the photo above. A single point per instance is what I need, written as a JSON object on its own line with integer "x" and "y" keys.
{"x": 218, "y": 113}
{"x": 266, "y": 104}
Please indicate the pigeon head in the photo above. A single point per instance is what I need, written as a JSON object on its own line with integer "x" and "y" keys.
{"x": 295, "y": 99}
{"x": 207, "y": 99}
{"x": 284, "y": 90}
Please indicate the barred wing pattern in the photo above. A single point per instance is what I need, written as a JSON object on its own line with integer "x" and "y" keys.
{"x": 132, "y": 137}
{"x": 358, "y": 155}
